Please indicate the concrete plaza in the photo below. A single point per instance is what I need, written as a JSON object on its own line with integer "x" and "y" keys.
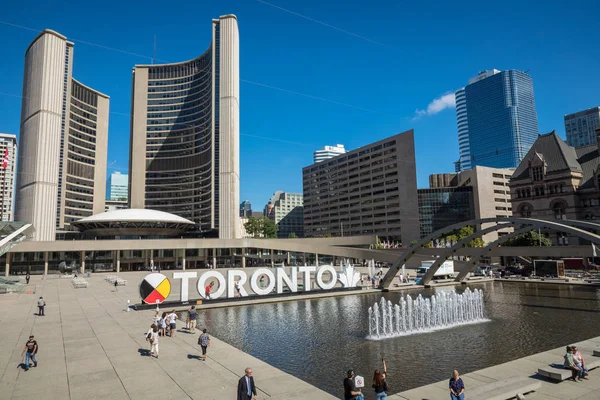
{"x": 90, "y": 348}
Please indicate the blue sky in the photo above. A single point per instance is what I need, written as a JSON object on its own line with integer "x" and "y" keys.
{"x": 382, "y": 59}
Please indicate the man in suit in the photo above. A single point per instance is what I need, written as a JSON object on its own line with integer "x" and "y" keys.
{"x": 246, "y": 388}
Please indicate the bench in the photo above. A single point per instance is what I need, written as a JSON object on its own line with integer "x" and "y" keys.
{"x": 505, "y": 388}
{"x": 79, "y": 283}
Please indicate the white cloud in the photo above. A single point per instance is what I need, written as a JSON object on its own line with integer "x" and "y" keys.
{"x": 438, "y": 104}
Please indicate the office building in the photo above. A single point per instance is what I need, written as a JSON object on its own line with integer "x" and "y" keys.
{"x": 556, "y": 181}
{"x": 287, "y": 211}
{"x": 117, "y": 186}
{"x": 490, "y": 195}
{"x": 444, "y": 206}
{"x": 63, "y": 142}
{"x": 370, "y": 190}
{"x": 245, "y": 209}
{"x": 580, "y": 127}
{"x": 328, "y": 152}
{"x": 497, "y": 120}
{"x": 185, "y": 132}
{"x": 114, "y": 205}
{"x": 8, "y": 152}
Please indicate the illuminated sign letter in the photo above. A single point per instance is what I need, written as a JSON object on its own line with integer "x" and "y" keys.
{"x": 254, "y": 281}
{"x": 292, "y": 282}
{"x": 306, "y": 280}
{"x": 319, "y": 277}
{"x": 231, "y": 278}
{"x": 184, "y": 276}
{"x": 202, "y": 283}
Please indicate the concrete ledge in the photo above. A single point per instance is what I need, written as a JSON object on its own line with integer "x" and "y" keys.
{"x": 505, "y": 389}
{"x": 556, "y": 374}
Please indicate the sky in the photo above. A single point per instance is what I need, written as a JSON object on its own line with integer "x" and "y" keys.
{"x": 316, "y": 73}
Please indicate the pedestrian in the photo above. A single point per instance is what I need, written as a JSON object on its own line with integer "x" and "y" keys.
{"x": 163, "y": 324}
{"x": 350, "y": 390}
{"x": 238, "y": 289}
{"x": 373, "y": 280}
{"x": 30, "y": 350}
{"x": 380, "y": 383}
{"x": 207, "y": 290}
{"x": 457, "y": 387}
{"x": 116, "y": 284}
{"x": 27, "y": 278}
{"x": 156, "y": 319}
{"x": 152, "y": 337}
{"x": 246, "y": 388}
{"x": 204, "y": 342}
{"x": 41, "y": 305}
{"x": 192, "y": 317}
{"x": 172, "y": 324}
{"x": 262, "y": 282}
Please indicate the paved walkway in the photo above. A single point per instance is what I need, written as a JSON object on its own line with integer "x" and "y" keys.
{"x": 90, "y": 348}
{"x": 526, "y": 367}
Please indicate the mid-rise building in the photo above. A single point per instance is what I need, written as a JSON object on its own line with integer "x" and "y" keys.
{"x": 287, "y": 211}
{"x": 8, "y": 152}
{"x": 556, "y": 181}
{"x": 370, "y": 190}
{"x": 444, "y": 206}
{"x": 117, "y": 186}
{"x": 490, "y": 196}
{"x": 580, "y": 127}
{"x": 63, "y": 142}
{"x": 245, "y": 209}
{"x": 328, "y": 152}
{"x": 497, "y": 120}
{"x": 114, "y": 205}
{"x": 185, "y": 135}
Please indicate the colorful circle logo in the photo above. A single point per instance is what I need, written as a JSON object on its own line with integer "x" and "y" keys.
{"x": 155, "y": 288}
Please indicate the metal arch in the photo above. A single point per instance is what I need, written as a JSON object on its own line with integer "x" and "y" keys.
{"x": 475, "y": 259}
{"x": 565, "y": 227}
{"x": 444, "y": 256}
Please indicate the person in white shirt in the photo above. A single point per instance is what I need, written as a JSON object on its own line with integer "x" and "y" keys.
{"x": 152, "y": 337}
{"x": 172, "y": 318}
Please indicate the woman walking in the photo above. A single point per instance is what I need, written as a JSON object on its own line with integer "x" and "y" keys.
{"x": 380, "y": 384}
{"x": 152, "y": 337}
{"x": 204, "y": 342}
{"x": 457, "y": 387}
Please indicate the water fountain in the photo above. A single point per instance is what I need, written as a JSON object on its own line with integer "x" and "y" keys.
{"x": 442, "y": 311}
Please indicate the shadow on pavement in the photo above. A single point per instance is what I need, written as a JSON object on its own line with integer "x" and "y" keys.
{"x": 144, "y": 352}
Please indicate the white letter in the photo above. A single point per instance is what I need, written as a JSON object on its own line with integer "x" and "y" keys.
{"x": 231, "y": 274}
{"x": 184, "y": 276}
{"x": 306, "y": 271}
{"x": 254, "y": 281}
{"x": 291, "y": 283}
{"x": 319, "y": 277}
{"x": 202, "y": 282}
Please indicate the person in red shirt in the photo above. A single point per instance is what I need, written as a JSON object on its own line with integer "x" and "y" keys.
{"x": 207, "y": 291}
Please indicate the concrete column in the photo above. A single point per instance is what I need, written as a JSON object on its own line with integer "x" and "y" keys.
{"x": 214, "y": 261}
{"x": 176, "y": 257}
{"x": 272, "y": 258}
{"x": 45, "y": 263}
{"x": 7, "y": 270}
{"x": 151, "y": 254}
{"x": 316, "y": 259}
{"x": 183, "y": 260}
{"x": 288, "y": 258}
{"x": 118, "y": 261}
{"x": 243, "y": 258}
{"x": 83, "y": 262}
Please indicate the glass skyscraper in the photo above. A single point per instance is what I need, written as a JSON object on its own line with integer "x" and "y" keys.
{"x": 501, "y": 119}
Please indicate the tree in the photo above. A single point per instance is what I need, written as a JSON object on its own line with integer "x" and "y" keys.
{"x": 292, "y": 236}
{"x": 530, "y": 239}
{"x": 413, "y": 242}
{"x": 269, "y": 228}
{"x": 254, "y": 226}
{"x": 326, "y": 235}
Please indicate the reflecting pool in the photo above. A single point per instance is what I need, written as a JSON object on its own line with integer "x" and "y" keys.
{"x": 318, "y": 340}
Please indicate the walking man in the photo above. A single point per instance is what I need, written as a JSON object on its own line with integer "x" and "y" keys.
{"x": 30, "y": 351}
{"x": 204, "y": 342}
{"x": 41, "y": 305}
{"x": 27, "y": 278}
{"x": 246, "y": 388}
{"x": 172, "y": 324}
{"x": 193, "y": 315}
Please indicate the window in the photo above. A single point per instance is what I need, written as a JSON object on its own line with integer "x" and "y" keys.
{"x": 525, "y": 211}
{"x": 559, "y": 210}
{"x": 537, "y": 173}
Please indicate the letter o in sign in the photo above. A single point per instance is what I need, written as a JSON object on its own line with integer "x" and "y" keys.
{"x": 319, "y": 277}
{"x": 254, "y": 281}
{"x": 202, "y": 284}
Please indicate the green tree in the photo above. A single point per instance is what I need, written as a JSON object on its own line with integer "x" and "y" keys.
{"x": 413, "y": 242}
{"x": 292, "y": 236}
{"x": 529, "y": 239}
{"x": 269, "y": 228}
{"x": 326, "y": 235}
{"x": 254, "y": 226}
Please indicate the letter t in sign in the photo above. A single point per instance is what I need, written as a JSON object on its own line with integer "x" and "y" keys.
{"x": 184, "y": 276}
{"x": 306, "y": 279}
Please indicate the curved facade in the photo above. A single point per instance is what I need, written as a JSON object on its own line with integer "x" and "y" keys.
{"x": 61, "y": 131}
{"x": 185, "y": 135}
